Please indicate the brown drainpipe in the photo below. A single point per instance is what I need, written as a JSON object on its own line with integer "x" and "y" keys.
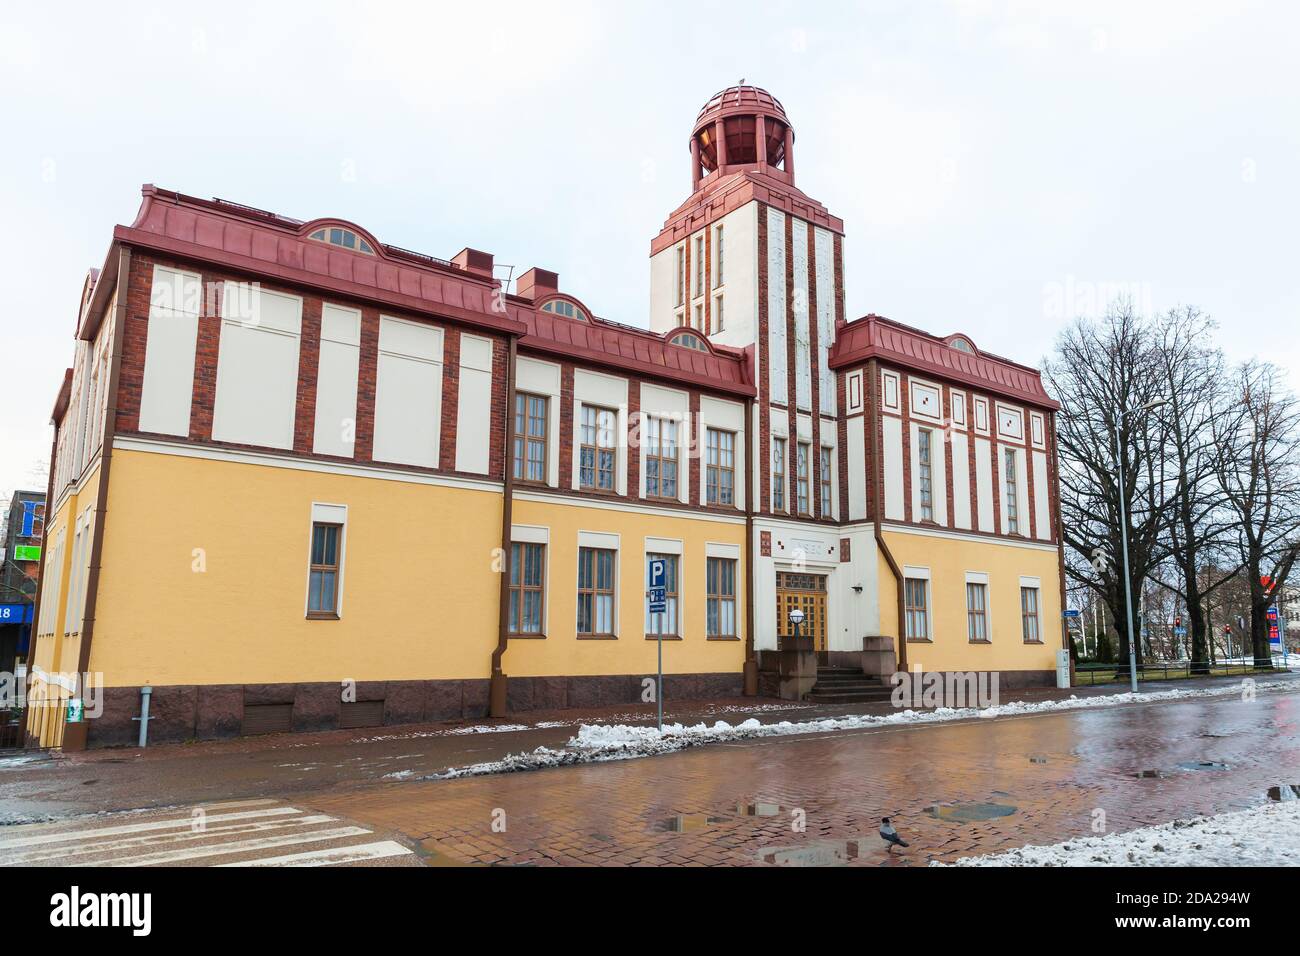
{"x": 497, "y": 706}
{"x": 74, "y": 735}
{"x": 751, "y": 659}
{"x": 879, "y": 508}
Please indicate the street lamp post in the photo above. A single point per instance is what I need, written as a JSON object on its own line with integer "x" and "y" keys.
{"x": 796, "y": 618}
{"x": 1123, "y": 532}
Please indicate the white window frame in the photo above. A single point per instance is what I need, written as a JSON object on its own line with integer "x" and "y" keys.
{"x": 327, "y": 513}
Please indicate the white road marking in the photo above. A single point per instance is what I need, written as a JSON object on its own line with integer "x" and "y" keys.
{"x": 331, "y": 857}
{"x": 62, "y": 836}
{"x": 225, "y": 849}
{"x": 154, "y": 840}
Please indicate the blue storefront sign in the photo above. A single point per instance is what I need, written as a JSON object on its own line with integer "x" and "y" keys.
{"x": 15, "y": 613}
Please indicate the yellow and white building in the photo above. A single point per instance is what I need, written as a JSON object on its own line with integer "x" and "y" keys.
{"x": 303, "y": 479}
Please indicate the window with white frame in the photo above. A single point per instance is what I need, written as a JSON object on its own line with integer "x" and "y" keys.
{"x": 660, "y": 457}
{"x": 717, "y": 314}
{"x": 596, "y": 592}
{"x": 977, "y": 611}
{"x": 527, "y": 587}
{"x": 778, "y": 474}
{"x": 825, "y": 482}
{"x": 720, "y": 610}
{"x": 924, "y": 477}
{"x": 681, "y": 275}
{"x": 531, "y": 425}
{"x": 720, "y": 467}
{"x": 717, "y": 260}
{"x": 597, "y": 451}
{"x": 699, "y": 265}
{"x": 1029, "y": 615}
{"x": 1011, "y": 500}
{"x": 801, "y": 480}
{"x": 916, "y": 605}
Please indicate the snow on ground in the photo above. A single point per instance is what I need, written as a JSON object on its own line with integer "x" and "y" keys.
{"x": 1262, "y": 836}
{"x": 596, "y": 743}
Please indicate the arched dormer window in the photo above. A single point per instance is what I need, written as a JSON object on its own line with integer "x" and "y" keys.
{"x": 962, "y": 344}
{"x": 566, "y": 308}
{"x": 345, "y": 238}
{"x": 689, "y": 340}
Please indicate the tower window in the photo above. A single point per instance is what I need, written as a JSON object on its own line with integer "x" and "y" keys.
{"x": 699, "y": 265}
{"x": 717, "y": 256}
{"x": 717, "y": 313}
{"x": 681, "y": 274}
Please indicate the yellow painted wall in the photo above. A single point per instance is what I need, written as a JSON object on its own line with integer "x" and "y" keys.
{"x": 419, "y": 594}
{"x": 948, "y": 560}
{"x": 561, "y": 652}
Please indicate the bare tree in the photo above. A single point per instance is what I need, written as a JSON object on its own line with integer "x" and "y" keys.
{"x": 1100, "y": 371}
{"x": 1258, "y": 470}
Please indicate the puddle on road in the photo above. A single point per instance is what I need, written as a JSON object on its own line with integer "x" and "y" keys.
{"x": 1151, "y": 774}
{"x": 1037, "y": 759}
{"x": 688, "y": 823}
{"x": 1285, "y": 793}
{"x": 1202, "y": 765}
{"x": 830, "y": 853}
{"x": 971, "y": 812}
{"x": 758, "y": 809}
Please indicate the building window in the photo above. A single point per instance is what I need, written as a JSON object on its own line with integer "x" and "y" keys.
{"x": 717, "y": 313}
{"x": 345, "y": 238}
{"x": 720, "y": 469}
{"x": 1012, "y": 497}
{"x": 323, "y": 575}
{"x": 595, "y": 592}
{"x": 530, "y": 437}
{"x": 977, "y": 607}
{"x": 666, "y": 623}
{"x": 660, "y": 458}
{"x": 923, "y": 477}
{"x": 699, "y": 316}
{"x": 720, "y": 600}
{"x": 681, "y": 275}
{"x": 1029, "y": 615}
{"x": 527, "y": 563}
{"x": 699, "y": 265}
{"x": 778, "y": 474}
{"x": 564, "y": 308}
{"x": 826, "y": 482}
{"x": 801, "y": 480}
{"x": 916, "y": 605}
{"x": 597, "y": 452}
{"x": 717, "y": 260}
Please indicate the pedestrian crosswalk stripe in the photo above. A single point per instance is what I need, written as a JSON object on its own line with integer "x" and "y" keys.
{"x": 225, "y": 849}
{"x": 331, "y": 857}
{"x": 62, "y": 836}
{"x": 153, "y": 840}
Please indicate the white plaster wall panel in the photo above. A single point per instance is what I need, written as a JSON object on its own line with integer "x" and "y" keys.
{"x": 257, "y": 367}
{"x": 981, "y": 406}
{"x": 675, "y": 406}
{"x": 925, "y": 400}
{"x": 853, "y": 391}
{"x": 474, "y": 405}
{"x": 939, "y": 458}
{"x": 984, "y": 484}
{"x": 777, "y": 320}
{"x": 1042, "y": 509}
{"x": 408, "y": 393}
{"x": 740, "y": 276}
{"x": 824, "y": 251}
{"x": 174, "y": 305}
{"x": 663, "y": 290}
{"x": 608, "y": 392}
{"x": 1011, "y": 423}
{"x": 857, "y": 465}
{"x": 914, "y": 452}
{"x": 1037, "y": 430}
{"x": 336, "y": 381}
{"x": 1002, "y": 488}
{"x": 728, "y": 416}
{"x": 890, "y": 392}
{"x": 960, "y": 482}
{"x": 802, "y": 332}
{"x": 543, "y": 378}
{"x": 1022, "y": 492}
{"x": 892, "y": 449}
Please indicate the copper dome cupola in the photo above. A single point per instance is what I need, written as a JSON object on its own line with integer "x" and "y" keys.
{"x": 742, "y": 127}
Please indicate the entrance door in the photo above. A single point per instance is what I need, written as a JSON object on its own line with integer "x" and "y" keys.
{"x": 807, "y": 592}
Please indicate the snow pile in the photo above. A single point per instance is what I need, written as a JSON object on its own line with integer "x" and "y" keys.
{"x": 1263, "y": 836}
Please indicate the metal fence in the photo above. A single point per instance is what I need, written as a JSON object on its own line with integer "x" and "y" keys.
{"x": 1088, "y": 674}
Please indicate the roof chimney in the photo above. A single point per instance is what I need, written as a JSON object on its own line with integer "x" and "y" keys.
{"x": 471, "y": 260}
{"x": 536, "y": 283}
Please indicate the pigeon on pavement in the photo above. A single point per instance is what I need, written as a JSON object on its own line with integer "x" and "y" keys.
{"x": 890, "y": 835}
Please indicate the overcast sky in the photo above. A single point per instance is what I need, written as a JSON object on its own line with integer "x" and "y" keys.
{"x": 997, "y": 165}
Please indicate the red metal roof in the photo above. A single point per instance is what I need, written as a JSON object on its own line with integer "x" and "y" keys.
{"x": 874, "y": 336}
{"x": 635, "y": 350}
{"x": 742, "y": 100}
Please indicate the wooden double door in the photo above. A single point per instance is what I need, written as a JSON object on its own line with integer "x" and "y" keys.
{"x": 798, "y": 589}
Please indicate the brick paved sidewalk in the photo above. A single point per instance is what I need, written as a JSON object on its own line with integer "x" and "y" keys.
{"x": 175, "y": 774}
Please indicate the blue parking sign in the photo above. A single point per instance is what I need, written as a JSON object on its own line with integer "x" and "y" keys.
{"x": 658, "y": 591}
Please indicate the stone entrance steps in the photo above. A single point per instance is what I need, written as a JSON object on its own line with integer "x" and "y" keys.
{"x": 846, "y": 685}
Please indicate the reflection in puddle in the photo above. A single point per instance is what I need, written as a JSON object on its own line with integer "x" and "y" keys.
{"x": 1202, "y": 765}
{"x": 1285, "y": 793}
{"x": 831, "y": 853}
{"x": 688, "y": 823}
{"x": 1145, "y": 774}
{"x": 971, "y": 812}
{"x": 433, "y": 855}
{"x": 758, "y": 809}
{"x": 1038, "y": 759}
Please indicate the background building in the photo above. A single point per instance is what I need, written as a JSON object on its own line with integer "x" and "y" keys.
{"x": 373, "y": 487}
{"x": 23, "y": 529}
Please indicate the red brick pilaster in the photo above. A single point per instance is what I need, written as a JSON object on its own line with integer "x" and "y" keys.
{"x": 367, "y": 376}
{"x": 450, "y": 398}
{"x": 304, "y": 419}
